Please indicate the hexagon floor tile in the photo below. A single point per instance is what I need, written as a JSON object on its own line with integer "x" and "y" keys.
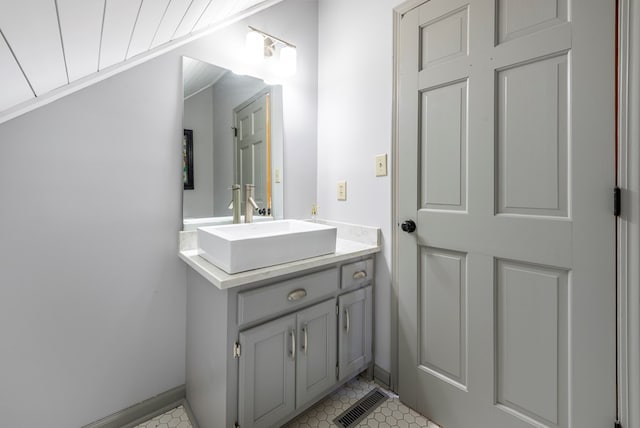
{"x": 174, "y": 418}
{"x": 391, "y": 413}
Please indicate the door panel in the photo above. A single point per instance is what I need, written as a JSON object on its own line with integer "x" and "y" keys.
{"x": 531, "y": 334}
{"x": 316, "y": 366}
{"x": 505, "y": 150}
{"x": 443, "y": 316}
{"x": 533, "y": 138}
{"x": 517, "y": 18}
{"x": 267, "y": 373}
{"x": 444, "y": 147}
{"x": 445, "y": 38}
{"x": 252, "y": 147}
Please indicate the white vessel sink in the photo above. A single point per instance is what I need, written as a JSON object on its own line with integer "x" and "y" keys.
{"x": 240, "y": 247}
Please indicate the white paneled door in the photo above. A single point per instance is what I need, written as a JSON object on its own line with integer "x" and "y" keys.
{"x": 506, "y": 145}
{"x": 252, "y": 146}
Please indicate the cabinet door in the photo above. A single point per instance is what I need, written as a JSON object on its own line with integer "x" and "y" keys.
{"x": 267, "y": 370}
{"x": 316, "y": 364}
{"x": 354, "y": 331}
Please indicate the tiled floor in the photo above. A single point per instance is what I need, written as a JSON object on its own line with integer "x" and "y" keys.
{"x": 389, "y": 414}
{"x": 175, "y": 418}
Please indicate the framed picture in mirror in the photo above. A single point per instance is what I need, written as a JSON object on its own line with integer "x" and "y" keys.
{"x": 187, "y": 159}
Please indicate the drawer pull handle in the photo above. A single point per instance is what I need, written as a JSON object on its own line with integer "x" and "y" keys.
{"x": 347, "y": 319}
{"x": 293, "y": 344}
{"x": 305, "y": 336}
{"x": 297, "y": 295}
{"x": 360, "y": 274}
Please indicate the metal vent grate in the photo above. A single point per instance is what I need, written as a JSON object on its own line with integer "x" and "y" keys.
{"x": 361, "y": 409}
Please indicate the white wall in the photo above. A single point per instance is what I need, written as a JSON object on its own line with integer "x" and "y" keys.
{"x": 354, "y": 125}
{"x": 197, "y": 116}
{"x": 92, "y": 299}
{"x": 92, "y": 293}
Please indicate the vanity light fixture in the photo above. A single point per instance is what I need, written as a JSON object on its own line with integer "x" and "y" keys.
{"x": 254, "y": 44}
{"x": 288, "y": 60}
{"x": 260, "y": 46}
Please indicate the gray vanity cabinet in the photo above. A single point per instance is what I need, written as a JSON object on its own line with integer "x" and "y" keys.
{"x": 286, "y": 363}
{"x": 354, "y": 331}
{"x": 261, "y": 353}
{"x": 267, "y": 372}
{"x": 316, "y": 363}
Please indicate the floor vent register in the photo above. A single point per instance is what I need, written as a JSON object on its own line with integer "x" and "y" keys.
{"x": 361, "y": 409}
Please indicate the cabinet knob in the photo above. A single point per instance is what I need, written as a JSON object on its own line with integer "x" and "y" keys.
{"x": 297, "y": 294}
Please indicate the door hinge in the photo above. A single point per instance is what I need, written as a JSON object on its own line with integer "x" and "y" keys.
{"x": 235, "y": 131}
{"x": 337, "y": 372}
{"x": 617, "y": 424}
{"x": 236, "y": 425}
{"x": 236, "y": 350}
{"x": 337, "y": 310}
{"x": 617, "y": 201}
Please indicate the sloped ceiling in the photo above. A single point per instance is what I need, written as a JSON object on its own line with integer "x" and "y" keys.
{"x": 198, "y": 76}
{"x": 47, "y": 44}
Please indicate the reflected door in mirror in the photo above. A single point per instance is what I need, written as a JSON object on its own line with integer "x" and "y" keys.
{"x": 253, "y": 147}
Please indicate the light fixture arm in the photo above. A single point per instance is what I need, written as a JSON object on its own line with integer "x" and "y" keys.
{"x": 272, "y": 37}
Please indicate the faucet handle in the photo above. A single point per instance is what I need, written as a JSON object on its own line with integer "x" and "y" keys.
{"x": 253, "y": 203}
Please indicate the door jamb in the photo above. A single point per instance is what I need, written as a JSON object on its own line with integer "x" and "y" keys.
{"x": 398, "y": 13}
{"x": 628, "y": 264}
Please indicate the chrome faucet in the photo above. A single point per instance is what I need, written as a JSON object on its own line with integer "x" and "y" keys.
{"x": 235, "y": 202}
{"x": 249, "y": 203}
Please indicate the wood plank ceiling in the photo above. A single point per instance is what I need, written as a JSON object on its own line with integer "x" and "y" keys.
{"x": 47, "y": 44}
{"x": 198, "y": 76}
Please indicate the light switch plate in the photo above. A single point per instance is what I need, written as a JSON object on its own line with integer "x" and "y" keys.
{"x": 381, "y": 165}
{"x": 278, "y": 178}
{"x": 342, "y": 190}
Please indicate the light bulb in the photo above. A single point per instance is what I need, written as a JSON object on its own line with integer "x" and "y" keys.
{"x": 288, "y": 59}
{"x": 254, "y": 45}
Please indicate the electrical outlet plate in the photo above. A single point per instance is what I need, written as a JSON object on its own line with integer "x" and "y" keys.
{"x": 381, "y": 165}
{"x": 342, "y": 190}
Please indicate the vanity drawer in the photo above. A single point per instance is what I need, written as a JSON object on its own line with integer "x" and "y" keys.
{"x": 357, "y": 273}
{"x": 272, "y": 299}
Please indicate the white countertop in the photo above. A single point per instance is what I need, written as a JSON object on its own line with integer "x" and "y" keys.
{"x": 353, "y": 241}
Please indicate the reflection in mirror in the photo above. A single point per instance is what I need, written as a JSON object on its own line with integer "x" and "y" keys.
{"x": 237, "y": 139}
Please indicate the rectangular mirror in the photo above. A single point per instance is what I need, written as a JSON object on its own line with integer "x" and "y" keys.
{"x": 236, "y": 137}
